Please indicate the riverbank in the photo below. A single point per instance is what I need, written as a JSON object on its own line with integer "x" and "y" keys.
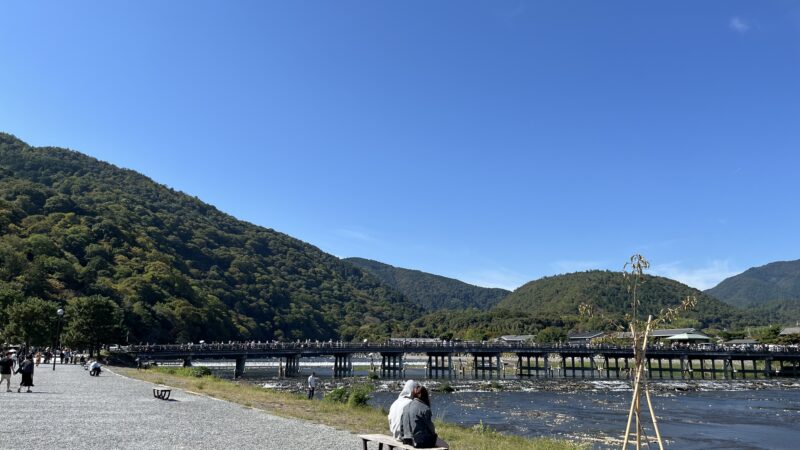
{"x": 340, "y": 416}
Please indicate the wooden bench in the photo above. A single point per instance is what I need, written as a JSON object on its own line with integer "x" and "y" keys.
{"x": 390, "y": 442}
{"x": 162, "y": 393}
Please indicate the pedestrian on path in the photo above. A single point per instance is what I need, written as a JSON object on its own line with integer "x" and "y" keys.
{"x": 6, "y": 363}
{"x": 312, "y": 385}
{"x": 26, "y": 369}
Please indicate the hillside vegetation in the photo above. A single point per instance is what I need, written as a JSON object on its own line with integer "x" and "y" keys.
{"x": 177, "y": 268}
{"x": 761, "y": 285}
{"x": 432, "y": 292}
{"x": 606, "y": 294}
{"x": 771, "y": 292}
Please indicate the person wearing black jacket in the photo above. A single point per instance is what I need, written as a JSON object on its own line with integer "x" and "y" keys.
{"x": 26, "y": 369}
{"x": 6, "y": 363}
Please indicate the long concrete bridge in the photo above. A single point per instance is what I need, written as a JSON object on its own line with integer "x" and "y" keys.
{"x": 532, "y": 359}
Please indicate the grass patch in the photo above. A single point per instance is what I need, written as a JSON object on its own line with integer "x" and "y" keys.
{"x": 340, "y": 415}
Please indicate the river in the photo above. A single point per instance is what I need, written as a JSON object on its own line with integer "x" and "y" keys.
{"x": 741, "y": 414}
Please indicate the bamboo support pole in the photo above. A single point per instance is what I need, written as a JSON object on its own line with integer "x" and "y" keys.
{"x": 636, "y": 389}
{"x": 653, "y": 416}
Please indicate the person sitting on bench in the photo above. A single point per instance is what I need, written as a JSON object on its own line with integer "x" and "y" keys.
{"x": 416, "y": 422}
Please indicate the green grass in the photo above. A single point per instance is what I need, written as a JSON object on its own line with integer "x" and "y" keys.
{"x": 345, "y": 416}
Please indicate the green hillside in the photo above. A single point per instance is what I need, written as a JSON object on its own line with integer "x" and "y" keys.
{"x": 178, "y": 268}
{"x": 606, "y": 293}
{"x": 761, "y": 285}
{"x": 432, "y": 292}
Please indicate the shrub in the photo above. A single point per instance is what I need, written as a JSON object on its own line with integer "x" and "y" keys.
{"x": 355, "y": 396}
{"x": 200, "y": 371}
{"x": 338, "y": 395}
{"x": 445, "y": 387}
{"x": 359, "y": 395}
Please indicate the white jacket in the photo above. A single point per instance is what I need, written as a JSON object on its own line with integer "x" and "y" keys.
{"x": 396, "y": 410}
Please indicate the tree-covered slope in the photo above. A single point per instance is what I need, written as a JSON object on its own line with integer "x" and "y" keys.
{"x": 761, "y": 285}
{"x": 606, "y": 293}
{"x": 72, "y": 227}
{"x": 432, "y": 292}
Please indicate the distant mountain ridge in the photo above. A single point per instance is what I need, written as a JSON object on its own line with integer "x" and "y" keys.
{"x": 432, "y": 292}
{"x": 760, "y": 285}
{"x": 771, "y": 291}
{"x": 605, "y": 292}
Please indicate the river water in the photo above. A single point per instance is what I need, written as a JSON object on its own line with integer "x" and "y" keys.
{"x": 741, "y": 414}
{"x": 706, "y": 416}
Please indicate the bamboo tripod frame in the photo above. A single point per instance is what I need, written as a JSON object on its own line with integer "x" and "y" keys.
{"x": 635, "y": 409}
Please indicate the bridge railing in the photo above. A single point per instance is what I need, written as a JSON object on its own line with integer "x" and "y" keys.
{"x": 444, "y": 346}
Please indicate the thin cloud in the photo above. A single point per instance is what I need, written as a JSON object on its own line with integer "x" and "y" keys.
{"x": 702, "y": 278}
{"x": 739, "y": 25}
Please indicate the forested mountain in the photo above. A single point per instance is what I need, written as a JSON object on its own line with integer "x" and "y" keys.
{"x": 760, "y": 285}
{"x": 432, "y": 292}
{"x": 606, "y": 293}
{"x": 771, "y": 291}
{"x": 74, "y": 227}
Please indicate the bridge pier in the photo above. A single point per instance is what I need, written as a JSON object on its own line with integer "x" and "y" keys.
{"x": 187, "y": 361}
{"x": 292, "y": 365}
{"x": 768, "y": 367}
{"x": 524, "y": 366}
{"x": 438, "y": 366}
{"x": 342, "y": 365}
{"x": 391, "y": 364}
{"x": 239, "y": 370}
{"x": 483, "y": 367}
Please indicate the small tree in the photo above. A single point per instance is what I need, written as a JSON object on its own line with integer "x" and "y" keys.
{"x": 31, "y": 322}
{"x": 91, "y": 322}
{"x": 550, "y": 335}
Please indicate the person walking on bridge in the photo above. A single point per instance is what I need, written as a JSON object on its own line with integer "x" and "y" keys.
{"x": 312, "y": 385}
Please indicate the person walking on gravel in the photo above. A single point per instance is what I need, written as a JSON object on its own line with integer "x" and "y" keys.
{"x": 6, "y": 363}
{"x": 26, "y": 369}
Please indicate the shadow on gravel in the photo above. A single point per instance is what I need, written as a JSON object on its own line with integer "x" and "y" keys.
{"x": 37, "y": 393}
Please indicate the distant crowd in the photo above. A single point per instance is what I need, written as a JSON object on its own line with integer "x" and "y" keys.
{"x": 13, "y": 361}
{"x": 316, "y": 344}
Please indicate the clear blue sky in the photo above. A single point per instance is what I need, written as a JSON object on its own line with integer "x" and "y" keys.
{"x": 495, "y": 142}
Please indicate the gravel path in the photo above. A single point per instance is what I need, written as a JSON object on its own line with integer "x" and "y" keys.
{"x": 70, "y": 409}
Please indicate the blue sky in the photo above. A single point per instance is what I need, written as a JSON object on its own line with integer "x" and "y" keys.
{"x": 494, "y": 142}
